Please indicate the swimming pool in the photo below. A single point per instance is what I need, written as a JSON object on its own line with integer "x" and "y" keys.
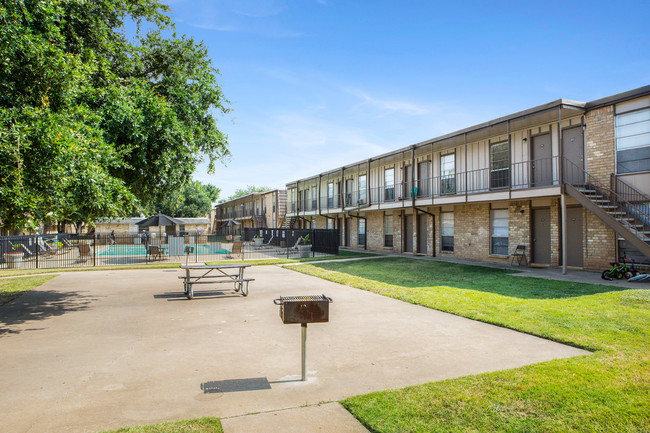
{"x": 140, "y": 250}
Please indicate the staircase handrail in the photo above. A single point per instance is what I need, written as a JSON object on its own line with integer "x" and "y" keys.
{"x": 617, "y": 182}
{"x": 590, "y": 179}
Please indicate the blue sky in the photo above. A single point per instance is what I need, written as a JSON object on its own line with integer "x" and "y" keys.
{"x": 316, "y": 84}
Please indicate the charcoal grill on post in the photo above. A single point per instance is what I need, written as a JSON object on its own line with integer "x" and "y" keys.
{"x": 304, "y": 310}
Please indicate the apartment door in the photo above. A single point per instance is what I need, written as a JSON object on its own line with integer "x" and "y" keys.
{"x": 347, "y": 232}
{"x": 573, "y": 151}
{"x": 422, "y": 233}
{"x": 408, "y": 233}
{"x": 541, "y": 168}
{"x": 574, "y": 237}
{"x": 408, "y": 185}
{"x": 423, "y": 179}
{"x": 541, "y": 236}
{"x": 349, "y": 187}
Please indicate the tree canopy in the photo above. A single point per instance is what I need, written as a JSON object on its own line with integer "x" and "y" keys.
{"x": 93, "y": 123}
{"x": 192, "y": 201}
{"x": 250, "y": 189}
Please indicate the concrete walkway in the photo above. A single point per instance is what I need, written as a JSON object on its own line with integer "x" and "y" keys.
{"x": 92, "y": 351}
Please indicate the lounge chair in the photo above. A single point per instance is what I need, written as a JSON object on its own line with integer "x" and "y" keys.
{"x": 22, "y": 248}
{"x": 41, "y": 246}
{"x": 50, "y": 249}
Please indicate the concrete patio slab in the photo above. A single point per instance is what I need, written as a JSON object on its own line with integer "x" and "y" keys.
{"x": 90, "y": 351}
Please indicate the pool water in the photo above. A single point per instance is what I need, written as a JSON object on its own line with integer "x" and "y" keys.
{"x": 140, "y": 250}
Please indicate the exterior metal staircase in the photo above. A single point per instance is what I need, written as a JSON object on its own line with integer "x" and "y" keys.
{"x": 621, "y": 207}
{"x": 287, "y": 223}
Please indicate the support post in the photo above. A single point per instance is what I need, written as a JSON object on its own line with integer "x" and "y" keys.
{"x": 564, "y": 233}
{"x": 303, "y": 329}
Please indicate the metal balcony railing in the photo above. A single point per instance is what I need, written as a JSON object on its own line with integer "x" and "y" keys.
{"x": 518, "y": 176}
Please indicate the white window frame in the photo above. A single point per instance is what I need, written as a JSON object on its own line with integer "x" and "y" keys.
{"x": 633, "y": 135}
{"x": 388, "y": 230}
{"x": 447, "y": 231}
{"x": 361, "y": 234}
{"x": 499, "y": 232}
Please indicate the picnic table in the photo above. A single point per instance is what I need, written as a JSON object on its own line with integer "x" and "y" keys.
{"x": 215, "y": 274}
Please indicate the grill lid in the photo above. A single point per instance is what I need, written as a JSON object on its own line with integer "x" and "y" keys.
{"x": 309, "y": 298}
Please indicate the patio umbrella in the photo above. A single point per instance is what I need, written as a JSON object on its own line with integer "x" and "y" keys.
{"x": 159, "y": 220}
{"x": 231, "y": 223}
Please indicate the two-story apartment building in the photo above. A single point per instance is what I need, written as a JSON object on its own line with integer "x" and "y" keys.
{"x": 568, "y": 180}
{"x": 265, "y": 209}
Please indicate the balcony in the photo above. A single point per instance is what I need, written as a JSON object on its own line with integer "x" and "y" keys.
{"x": 518, "y": 176}
{"x": 246, "y": 213}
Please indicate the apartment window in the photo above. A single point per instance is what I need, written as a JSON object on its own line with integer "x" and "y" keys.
{"x": 362, "y": 231}
{"x": 389, "y": 184}
{"x": 330, "y": 195}
{"x": 499, "y": 229}
{"x": 499, "y": 165}
{"x": 313, "y": 223}
{"x": 330, "y": 224}
{"x": 447, "y": 232}
{"x": 388, "y": 231}
{"x": 633, "y": 141}
{"x": 448, "y": 174}
{"x": 314, "y": 198}
{"x": 362, "y": 189}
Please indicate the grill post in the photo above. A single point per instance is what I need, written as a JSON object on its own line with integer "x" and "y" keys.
{"x": 303, "y": 310}
{"x": 303, "y": 328}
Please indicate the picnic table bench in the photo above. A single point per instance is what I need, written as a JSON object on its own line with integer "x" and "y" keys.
{"x": 222, "y": 274}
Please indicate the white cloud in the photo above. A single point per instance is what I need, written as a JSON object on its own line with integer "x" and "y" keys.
{"x": 389, "y": 105}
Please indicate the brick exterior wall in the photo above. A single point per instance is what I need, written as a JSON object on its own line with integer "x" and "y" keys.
{"x": 601, "y": 143}
{"x": 600, "y": 248}
{"x": 472, "y": 231}
{"x": 375, "y": 230}
{"x": 519, "y": 226}
{"x": 556, "y": 226}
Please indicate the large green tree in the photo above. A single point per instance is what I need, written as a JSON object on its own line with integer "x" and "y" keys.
{"x": 95, "y": 124}
{"x": 192, "y": 201}
{"x": 250, "y": 189}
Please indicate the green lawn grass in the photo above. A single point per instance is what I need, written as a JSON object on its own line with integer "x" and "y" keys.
{"x": 12, "y": 288}
{"x": 200, "y": 425}
{"x": 608, "y": 391}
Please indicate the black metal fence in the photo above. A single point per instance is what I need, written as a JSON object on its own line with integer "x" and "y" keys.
{"x": 316, "y": 241}
{"x": 69, "y": 250}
